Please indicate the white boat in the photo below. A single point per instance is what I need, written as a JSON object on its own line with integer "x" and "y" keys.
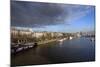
{"x": 70, "y": 38}
{"x": 64, "y": 38}
{"x": 60, "y": 40}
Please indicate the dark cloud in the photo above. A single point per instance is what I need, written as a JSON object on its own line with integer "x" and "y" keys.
{"x": 35, "y": 14}
{"x": 39, "y": 14}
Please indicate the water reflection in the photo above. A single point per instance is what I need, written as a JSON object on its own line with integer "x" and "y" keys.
{"x": 60, "y": 43}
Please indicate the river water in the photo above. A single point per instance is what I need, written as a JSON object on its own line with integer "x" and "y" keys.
{"x": 75, "y": 50}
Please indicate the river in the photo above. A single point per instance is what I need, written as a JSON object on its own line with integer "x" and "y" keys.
{"x": 75, "y": 50}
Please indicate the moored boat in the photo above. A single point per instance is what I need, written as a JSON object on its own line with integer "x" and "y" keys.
{"x": 61, "y": 40}
{"x": 70, "y": 38}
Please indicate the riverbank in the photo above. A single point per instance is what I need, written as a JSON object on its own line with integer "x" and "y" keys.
{"x": 52, "y": 40}
{"x": 47, "y": 41}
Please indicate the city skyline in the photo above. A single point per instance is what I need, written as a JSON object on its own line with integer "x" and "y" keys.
{"x": 52, "y": 16}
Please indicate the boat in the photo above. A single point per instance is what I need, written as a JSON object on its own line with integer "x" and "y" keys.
{"x": 64, "y": 38}
{"x": 70, "y": 38}
{"x": 61, "y": 40}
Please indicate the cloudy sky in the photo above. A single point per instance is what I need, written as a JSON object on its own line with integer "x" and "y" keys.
{"x": 52, "y": 16}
